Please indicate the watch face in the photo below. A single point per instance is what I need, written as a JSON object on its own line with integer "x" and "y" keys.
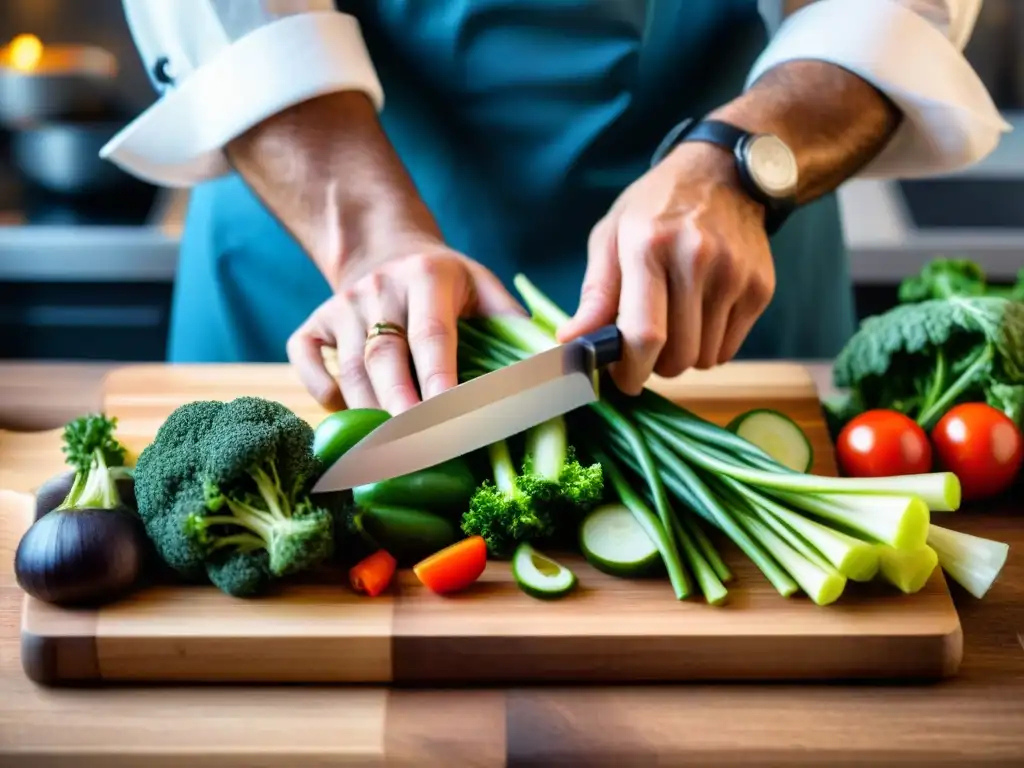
{"x": 772, "y": 165}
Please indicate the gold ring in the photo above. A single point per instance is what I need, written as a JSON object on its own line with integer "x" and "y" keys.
{"x": 385, "y": 329}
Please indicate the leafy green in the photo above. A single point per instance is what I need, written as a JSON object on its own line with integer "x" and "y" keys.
{"x": 945, "y": 278}
{"x": 922, "y": 358}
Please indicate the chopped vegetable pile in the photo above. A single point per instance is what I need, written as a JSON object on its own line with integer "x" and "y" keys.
{"x": 639, "y": 486}
{"x": 681, "y": 477}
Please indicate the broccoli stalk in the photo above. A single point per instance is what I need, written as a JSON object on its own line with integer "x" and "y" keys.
{"x": 98, "y": 459}
{"x": 295, "y": 535}
{"x": 552, "y": 473}
{"x": 502, "y": 511}
{"x": 531, "y": 505}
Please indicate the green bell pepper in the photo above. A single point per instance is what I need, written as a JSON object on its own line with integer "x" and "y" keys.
{"x": 444, "y": 488}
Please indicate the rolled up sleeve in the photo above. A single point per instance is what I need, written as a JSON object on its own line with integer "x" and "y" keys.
{"x": 912, "y": 52}
{"x": 222, "y": 67}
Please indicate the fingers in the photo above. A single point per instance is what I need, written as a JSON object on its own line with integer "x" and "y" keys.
{"x": 305, "y": 354}
{"x": 602, "y": 282}
{"x": 643, "y": 308}
{"x": 350, "y": 334}
{"x": 433, "y": 328}
{"x": 745, "y": 312}
{"x": 688, "y": 265}
{"x": 721, "y": 292}
{"x": 386, "y": 355}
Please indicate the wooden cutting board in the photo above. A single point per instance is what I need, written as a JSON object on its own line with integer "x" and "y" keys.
{"x": 610, "y": 630}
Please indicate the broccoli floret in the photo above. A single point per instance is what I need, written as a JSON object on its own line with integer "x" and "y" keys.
{"x": 501, "y": 511}
{"x": 535, "y": 504}
{"x": 223, "y": 491}
{"x": 240, "y": 573}
{"x": 552, "y": 473}
{"x": 97, "y": 457}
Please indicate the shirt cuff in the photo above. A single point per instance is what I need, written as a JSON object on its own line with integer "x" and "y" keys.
{"x": 949, "y": 118}
{"x": 179, "y": 140}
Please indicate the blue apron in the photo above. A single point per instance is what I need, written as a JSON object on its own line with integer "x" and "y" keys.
{"x": 520, "y": 121}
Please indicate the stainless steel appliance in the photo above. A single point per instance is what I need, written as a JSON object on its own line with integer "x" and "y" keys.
{"x": 87, "y": 254}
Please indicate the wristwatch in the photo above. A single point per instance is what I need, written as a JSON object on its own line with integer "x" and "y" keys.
{"x": 767, "y": 167}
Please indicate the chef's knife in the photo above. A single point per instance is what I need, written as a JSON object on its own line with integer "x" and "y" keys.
{"x": 478, "y": 412}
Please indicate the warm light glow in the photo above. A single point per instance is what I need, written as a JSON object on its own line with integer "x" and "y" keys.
{"x": 25, "y": 52}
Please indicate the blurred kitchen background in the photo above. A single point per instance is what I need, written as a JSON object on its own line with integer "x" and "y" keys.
{"x": 87, "y": 255}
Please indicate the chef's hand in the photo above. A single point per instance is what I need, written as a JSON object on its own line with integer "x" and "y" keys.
{"x": 681, "y": 264}
{"x": 418, "y": 290}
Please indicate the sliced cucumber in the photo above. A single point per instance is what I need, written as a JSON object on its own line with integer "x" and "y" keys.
{"x": 614, "y": 542}
{"x": 777, "y": 435}
{"x": 539, "y": 576}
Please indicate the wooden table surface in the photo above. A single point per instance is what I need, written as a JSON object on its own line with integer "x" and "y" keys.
{"x": 975, "y": 719}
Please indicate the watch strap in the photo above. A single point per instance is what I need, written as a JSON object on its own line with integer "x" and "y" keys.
{"x": 733, "y": 139}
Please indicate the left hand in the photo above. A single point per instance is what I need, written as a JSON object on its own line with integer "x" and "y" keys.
{"x": 681, "y": 264}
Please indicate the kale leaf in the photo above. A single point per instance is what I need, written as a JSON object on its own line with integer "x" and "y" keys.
{"x": 945, "y": 278}
{"x": 922, "y": 358}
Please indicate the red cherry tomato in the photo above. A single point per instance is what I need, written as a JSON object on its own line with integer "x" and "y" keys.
{"x": 883, "y": 443}
{"x": 981, "y": 446}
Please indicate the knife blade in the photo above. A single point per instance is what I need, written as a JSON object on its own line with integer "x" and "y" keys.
{"x": 478, "y": 412}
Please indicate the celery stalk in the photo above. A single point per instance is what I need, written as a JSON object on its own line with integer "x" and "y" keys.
{"x": 822, "y": 586}
{"x": 899, "y": 521}
{"x": 971, "y": 561}
{"x": 854, "y": 558}
{"x": 907, "y": 569}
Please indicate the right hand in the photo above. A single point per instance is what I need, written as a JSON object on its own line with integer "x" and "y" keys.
{"x": 424, "y": 291}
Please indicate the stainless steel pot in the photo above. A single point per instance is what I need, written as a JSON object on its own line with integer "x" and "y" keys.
{"x": 63, "y": 158}
{"x": 82, "y": 87}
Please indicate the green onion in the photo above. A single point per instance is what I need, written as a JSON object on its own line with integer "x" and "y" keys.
{"x": 855, "y": 559}
{"x": 899, "y": 521}
{"x": 706, "y": 548}
{"x": 939, "y": 490}
{"x": 823, "y": 586}
{"x": 650, "y": 522}
{"x": 710, "y": 585}
{"x": 803, "y": 531}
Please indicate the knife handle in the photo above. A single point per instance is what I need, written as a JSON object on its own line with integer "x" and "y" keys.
{"x": 605, "y": 344}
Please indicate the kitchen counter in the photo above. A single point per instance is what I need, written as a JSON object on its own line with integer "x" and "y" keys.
{"x": 976, "y": 718}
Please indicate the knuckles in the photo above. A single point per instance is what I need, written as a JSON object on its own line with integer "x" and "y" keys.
{"x": 428, "y": 330}
{"x": 424, "y": 266}
{"x": 352, "y": 368}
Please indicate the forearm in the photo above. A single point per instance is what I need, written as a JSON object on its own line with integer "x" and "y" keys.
{"x": 327, "y": 171}
{"x": 834, "y": 121}
{"x": 872, "y": 88}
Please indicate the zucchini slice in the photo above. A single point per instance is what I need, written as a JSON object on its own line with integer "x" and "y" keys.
{"x": 539, "y": 576}
{"x": 777, "y": 435}
{"x": 614, "y": 542}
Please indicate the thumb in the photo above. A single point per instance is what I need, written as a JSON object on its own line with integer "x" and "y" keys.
{"x": 602, "y": 282}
